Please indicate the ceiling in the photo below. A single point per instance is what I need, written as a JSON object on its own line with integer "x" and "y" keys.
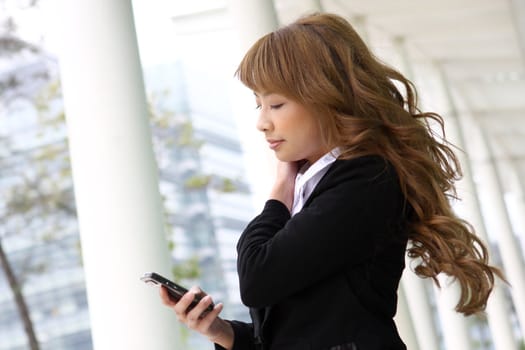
{"x": 478, "y": 46}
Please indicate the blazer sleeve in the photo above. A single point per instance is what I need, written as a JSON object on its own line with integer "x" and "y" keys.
{"x": 243, "y": 336}
{"x": 356, "y": 203}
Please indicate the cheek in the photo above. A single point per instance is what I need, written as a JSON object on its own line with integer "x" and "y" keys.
{"x": 314, "y": 131}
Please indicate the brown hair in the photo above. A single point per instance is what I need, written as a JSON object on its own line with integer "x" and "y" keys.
{"x": 321, "y": 62}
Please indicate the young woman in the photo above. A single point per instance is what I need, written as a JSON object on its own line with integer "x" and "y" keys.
{"x": 360, "y": 175}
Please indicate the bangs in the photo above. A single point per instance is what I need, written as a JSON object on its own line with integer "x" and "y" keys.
{"x": 265, "y": 66}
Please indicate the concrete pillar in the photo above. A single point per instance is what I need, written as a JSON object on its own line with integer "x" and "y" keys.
{"x": 516, "y": 200}
{"x": 517, "y": 9}
{"x": 115, "y": 174}
{"x": 404, "y": 322}
{"x": 317, "y": 5}
{"x": 453, "y": 324}
{"x": 507, "y": 240}
{"x": 359, "y": 22}
{"x": 498, "y": 307}
{"x": 418, "y": 299}
{"x": 252, "y": 19}
{"x": 420, "y": 310}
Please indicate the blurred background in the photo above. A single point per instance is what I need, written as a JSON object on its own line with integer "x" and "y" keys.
{"x": 78, "y": 80}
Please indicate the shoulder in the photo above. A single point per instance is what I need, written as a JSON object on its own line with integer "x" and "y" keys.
{"x": 372, "y": 169}
{"x": 365, "y": 181}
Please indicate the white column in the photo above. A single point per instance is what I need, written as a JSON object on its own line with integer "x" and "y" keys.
{"x": 507, "y": 241}
{"x": 498, "y": 311}
{"x": 359, "y": 22}
{"x": 517, "y": 9}
{"x": 252, "y": 19}
{"x": 516, "y": 200}
{"x": 404, "y": 322}
{"x": 417, "y": 297}
{"x": 420, "y": 310}
{"x": 115, "y": 175}
{"x": 314, "y": 6}
{"x": 498, "y": 307}
{"x": 453, "y": 324}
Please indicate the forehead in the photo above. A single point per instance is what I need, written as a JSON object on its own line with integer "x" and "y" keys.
{"x": 261, "y": 94}
{"x": 266, "y": 94}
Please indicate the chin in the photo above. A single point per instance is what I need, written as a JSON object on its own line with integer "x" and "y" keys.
{"x": 284, "y": 158}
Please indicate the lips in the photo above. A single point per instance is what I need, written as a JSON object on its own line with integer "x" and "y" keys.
{"x": 274, "y": 143}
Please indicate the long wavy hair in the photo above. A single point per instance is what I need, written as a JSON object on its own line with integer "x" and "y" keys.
{"x": 321, "y": 62}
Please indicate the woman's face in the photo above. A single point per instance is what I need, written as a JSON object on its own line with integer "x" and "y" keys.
{"x": 291, "y": 131}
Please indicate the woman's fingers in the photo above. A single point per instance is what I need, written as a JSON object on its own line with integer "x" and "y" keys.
{"x": 197, "y": 316}
{"x": 182, "y": 306}
{"x": 165, "y": 297}
{"x": 186, "y": 309}
{"x": 207, "y": 320}
{"x": 204, "y": 321}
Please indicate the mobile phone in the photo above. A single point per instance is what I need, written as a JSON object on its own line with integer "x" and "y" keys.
{"x": 175, "y": 291}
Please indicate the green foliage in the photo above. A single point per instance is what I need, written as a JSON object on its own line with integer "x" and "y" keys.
{"x": 44, "y": 189}
{"x": 187, "y": 136}
{"x": 187, "y": 270}
{"x": 11, "y": 220}
{"x": 39, "y": 201}
{"x": 228, "y": 186}
{"x": 220, "y": 184}
{"x": 197, "y": 181}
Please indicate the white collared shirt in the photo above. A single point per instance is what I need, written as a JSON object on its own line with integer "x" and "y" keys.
{"x": 309, "y": 176}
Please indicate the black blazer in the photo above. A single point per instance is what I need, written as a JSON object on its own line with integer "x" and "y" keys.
{"x": 329, "y": 275}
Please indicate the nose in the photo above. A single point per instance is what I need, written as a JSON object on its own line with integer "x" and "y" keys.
{"x": 263, "y": 122}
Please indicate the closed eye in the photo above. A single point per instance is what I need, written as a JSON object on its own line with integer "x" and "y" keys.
{"x": 277, "y": 106}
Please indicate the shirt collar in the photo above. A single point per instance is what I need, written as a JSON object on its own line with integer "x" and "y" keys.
{"x": 308, "y": 171}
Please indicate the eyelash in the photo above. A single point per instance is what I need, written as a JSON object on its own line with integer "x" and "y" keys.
{"x": 277, "y": 106}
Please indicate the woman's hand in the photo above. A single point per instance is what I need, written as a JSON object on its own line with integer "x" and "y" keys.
{"x": 283, "y": 188}
{"x": 205, "y": 322}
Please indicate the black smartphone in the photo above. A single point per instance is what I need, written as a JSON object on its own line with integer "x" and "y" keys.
{"x": 174, "y": 290}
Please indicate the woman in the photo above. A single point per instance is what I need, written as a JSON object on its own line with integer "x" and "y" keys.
{"x": 360, "y": 175}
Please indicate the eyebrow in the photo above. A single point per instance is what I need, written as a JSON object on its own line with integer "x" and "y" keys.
{"x": 263, "y": 95}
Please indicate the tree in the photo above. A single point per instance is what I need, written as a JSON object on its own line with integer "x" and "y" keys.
{"x": 39, "y": 189}
{"x": 175, "y": 144}
{"x": 36, "y": 179}
{"x": 12, "y": 47}
{"x": 39, "y": 203}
